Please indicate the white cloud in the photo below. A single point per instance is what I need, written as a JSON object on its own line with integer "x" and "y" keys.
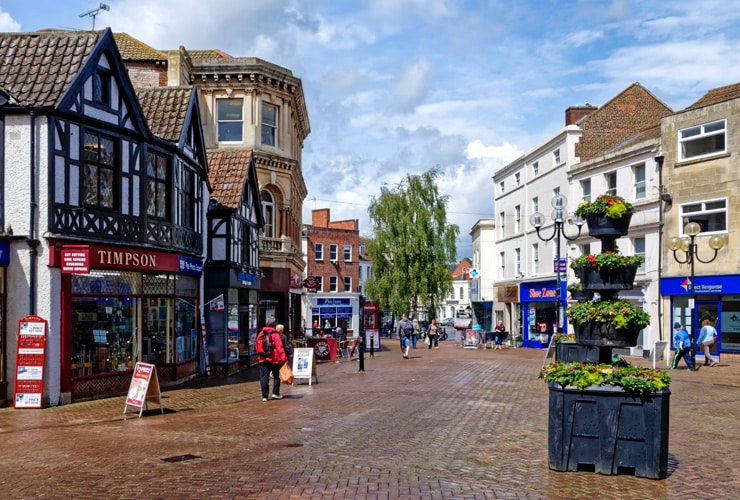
{"x": 411, "y": 86}
{"x": 7, "y": 23}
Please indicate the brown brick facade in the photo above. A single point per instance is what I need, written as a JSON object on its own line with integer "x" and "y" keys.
{"x": 339, "y": 233}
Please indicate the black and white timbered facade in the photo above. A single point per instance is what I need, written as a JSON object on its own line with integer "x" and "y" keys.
{"x": 232, "y": 267}
{"x": 117, "y": 180}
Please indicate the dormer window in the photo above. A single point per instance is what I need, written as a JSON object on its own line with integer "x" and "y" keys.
{"x": 269, "y": 124}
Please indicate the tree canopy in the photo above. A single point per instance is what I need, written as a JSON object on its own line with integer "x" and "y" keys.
{"x": 413, "y": 247}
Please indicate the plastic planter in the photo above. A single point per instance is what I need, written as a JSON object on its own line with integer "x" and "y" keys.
{"x": 572, "y": 351}
{"x": 602, "y": 334}
{"x": 601, "y": 225}
{"x": 606, "y": 430}
{"x": 621, "y": 278}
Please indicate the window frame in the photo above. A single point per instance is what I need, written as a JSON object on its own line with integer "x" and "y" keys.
{"x": 535, "y": 258}
{"x": 586, "y": 190}
{"x": 556, "y": 157}
{"x": 333, "y": 252}
{"x": 269, "y": 130}
{"x": 636, "y": 244}
{"x": 518, "y": 219}
{"x": 92, "y": 159}
{"x": 608, "y": 188}
{"x": 640, "y": 184}
{"x": 268, "y": 213}
{"x": 347, "y": 253}
{"x": 686, "y": 217}
{"x": 318, "y": 252}
{"x": 535, "y": 169}
{"x": 333, "y": 284}
{"x": 228, "y": 121}
{"x": 158, "y": 187}
{"x": 348, "y": 283}
{"x": 702, "y": 136}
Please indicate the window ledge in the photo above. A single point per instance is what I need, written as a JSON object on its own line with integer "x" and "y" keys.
{"x": 693, "y": 161}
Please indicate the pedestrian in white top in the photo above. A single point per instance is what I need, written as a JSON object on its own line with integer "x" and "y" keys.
{"x": 707, "y": 339}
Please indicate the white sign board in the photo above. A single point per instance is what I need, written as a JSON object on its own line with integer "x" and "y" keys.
{"x": 304, "y": 365}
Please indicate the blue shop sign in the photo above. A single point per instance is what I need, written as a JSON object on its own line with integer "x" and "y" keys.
{"x": 540, "y": 292}
{"x": 4, "y": 253}
{"x": 189, "y": 265}
{"x": 705, "y": 285}
{"x": 332, "y": 302}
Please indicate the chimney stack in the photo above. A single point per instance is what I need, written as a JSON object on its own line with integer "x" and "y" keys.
{"x": 575, "y": 113}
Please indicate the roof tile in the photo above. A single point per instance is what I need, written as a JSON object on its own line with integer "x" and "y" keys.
{"x": 227, "y": 174}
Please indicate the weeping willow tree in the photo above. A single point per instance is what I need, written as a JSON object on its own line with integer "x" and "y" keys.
{"x": 413, "y": 247}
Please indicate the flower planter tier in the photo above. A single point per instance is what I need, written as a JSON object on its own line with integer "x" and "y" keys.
{"x": 602, "y": 334}
{"x": 601, "y": 225}
{"x": 581, "y": 295}
{"x": 607, "y": 430}
{"x": 621, "y": 278}
{"x": 607, "y": 229}
{"x": 573, "y": 351}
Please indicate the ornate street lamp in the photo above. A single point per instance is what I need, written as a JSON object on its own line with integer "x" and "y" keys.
{"x": 559, "y": 202}
{"x": 688, "y": 245}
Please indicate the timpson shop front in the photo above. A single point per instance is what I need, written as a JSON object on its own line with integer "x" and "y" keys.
{"x": 121, "y": 305}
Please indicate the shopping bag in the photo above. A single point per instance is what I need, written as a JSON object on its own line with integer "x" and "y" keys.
{"x": 286, "y": 374}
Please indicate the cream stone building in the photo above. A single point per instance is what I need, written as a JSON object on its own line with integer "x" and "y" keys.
{"x": 701, "y": 147}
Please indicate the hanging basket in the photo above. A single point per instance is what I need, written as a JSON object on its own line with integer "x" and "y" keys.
{"x": 602, "y": 334}
{"x": 601, "y": 225}
{"x": 620, "y": 278}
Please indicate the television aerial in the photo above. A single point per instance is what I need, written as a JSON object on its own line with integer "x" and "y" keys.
{"x": 95, "y": 12}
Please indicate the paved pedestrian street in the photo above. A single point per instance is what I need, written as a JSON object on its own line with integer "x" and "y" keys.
{"x": 452, "y": 423}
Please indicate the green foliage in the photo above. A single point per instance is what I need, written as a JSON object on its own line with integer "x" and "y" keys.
{"x": 619, "y": 313}
{"x": 641, "y": 381}
{"x": 613, "y": 207}
{"x": 605, "y": 260}
{"x": 412, "y": 247}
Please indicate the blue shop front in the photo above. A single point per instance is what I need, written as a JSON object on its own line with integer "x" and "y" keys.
{"x": 539, "y": 305}
{"x": 717, "y": 299}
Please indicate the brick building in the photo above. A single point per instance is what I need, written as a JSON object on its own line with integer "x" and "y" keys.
{"x": 332, "y": 251}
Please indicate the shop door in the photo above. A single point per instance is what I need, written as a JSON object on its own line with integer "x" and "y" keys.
{"x": 711, "y": 310}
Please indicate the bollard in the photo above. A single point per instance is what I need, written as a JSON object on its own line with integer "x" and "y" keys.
{"x": 372, "y": 347}
{"x": 362, "y": 354}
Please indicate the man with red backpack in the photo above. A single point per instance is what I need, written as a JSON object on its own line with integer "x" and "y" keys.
{"x": 271, "y": 356}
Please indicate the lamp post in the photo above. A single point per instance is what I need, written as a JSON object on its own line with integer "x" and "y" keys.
{"x": 688, "y": 245}
{"x": 559, "y": 203}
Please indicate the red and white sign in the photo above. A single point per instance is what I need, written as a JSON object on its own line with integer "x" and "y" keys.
{"x": 29, "y": 362}
{"x": 76, "y": 259}
{"x": 144, "y": 385}
{"x": 311, "y": 282}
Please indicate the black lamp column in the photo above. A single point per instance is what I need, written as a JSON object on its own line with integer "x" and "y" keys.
{"x": 559, "y": 204}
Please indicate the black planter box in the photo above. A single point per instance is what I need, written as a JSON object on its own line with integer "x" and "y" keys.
{"x": 601, "y": 225}
{"x": 572, "y": 351}
{"x": 601, "y": 334}
{"x": 581, "y": 295}
{"x": 622, "y": 278}
{"x": 607, "y": 430}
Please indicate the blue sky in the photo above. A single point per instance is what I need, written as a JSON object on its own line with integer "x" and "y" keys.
{"x": 399, "y": 86}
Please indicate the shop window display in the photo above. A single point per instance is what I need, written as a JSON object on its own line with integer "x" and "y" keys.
{"x": 119, "y": 318}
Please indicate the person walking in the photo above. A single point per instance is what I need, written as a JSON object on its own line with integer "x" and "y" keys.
{"x": 405, "y": 331}
{"x": 707, "y": 338}
{"x": 270, "y": 356}
{"x": 499, "y": 333}
{"x": 433, "y": 334}
{"x": 415, "y": 335}
{"x": 682, "y": 345}
{"x": 287, "y": 344}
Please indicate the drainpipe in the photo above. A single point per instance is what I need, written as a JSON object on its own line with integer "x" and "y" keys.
{"x": 661, "y": 223}
{"x": 33, "y": 243}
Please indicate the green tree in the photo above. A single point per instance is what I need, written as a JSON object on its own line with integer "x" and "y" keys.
{"x": 413, "y": 247}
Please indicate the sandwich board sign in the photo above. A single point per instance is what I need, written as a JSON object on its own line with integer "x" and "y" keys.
{"x": 144, "y": 386}
{"x": 29, "y": 362}
{"x": 304, "y": 365}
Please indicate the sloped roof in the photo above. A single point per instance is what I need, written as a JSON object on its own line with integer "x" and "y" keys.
{"x": 717, "y": 95}
{"x": 198, "y": 55}
{"x": 227, "y": 174}
{"x": 630, "y": 112}
{"x": 132, "y": 49}
{"x": 36, "y": 68}
{"x": 165, "y": 109}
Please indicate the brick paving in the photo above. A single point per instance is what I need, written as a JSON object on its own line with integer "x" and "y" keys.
{"x": 451, "y": 423}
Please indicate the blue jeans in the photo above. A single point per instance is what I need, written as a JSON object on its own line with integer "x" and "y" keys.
{"x": 414, "y": 338}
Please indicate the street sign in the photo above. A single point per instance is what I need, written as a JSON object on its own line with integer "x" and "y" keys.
{"x": 563, "y": 265}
